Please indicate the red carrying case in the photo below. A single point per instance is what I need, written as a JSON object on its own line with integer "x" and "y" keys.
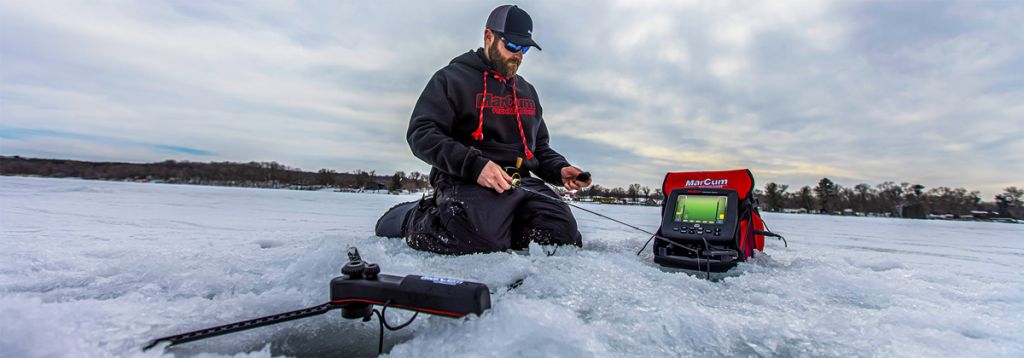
{"x": 710, "y": 252}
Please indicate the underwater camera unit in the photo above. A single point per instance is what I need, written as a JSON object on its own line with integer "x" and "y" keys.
{"x": 359, "y": 289}
{"x": 710, "y": 221}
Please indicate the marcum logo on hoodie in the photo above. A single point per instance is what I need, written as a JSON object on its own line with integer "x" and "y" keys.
{"x": 503, "y": 105}
{"x": 707, "y": 182}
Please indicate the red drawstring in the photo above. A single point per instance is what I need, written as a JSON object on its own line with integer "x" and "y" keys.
{"x": 515, "y": 102}
{"x": 479, "y": 133}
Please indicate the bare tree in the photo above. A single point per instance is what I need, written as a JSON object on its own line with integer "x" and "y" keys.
{"x": 863, "y": 193}
{"x": 805, "y": 198}
{"x": 634, "y": 191}
{"x": 1010, "y": 202}
{"x": 396, "y": 180}
{"x": 325, "y": 177}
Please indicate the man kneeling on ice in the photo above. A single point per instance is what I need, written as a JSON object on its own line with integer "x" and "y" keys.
{"x": 479, "y": 124}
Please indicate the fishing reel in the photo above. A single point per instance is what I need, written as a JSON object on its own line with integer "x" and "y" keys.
{"x": 518, "y": 179}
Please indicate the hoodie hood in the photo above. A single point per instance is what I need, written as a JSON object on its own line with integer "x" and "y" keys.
{"x": 474, "y": 59}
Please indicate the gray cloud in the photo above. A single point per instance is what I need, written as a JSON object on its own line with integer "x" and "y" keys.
{"x": 927, "y": 92}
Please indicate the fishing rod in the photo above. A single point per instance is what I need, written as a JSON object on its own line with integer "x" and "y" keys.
{"x": 583, "y": 177}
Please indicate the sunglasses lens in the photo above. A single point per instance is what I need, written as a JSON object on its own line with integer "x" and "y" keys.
{"x": 513, "y": 47}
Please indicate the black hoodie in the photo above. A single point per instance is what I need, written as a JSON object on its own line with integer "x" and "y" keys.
{"x": 465, "y": 117}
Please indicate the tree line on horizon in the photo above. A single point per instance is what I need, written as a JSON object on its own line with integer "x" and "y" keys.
{"x": 885, "y": 199}
{"x": 251, "y": 174}
{"x": 888, "y": 198}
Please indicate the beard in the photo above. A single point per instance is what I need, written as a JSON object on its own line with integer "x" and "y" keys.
{"x": 506, "y": 66}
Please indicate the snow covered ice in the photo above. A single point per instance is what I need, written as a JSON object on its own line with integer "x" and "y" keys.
{"x": 93, "y": 269}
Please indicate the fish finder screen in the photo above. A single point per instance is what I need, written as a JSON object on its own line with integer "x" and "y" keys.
{"x": 701, "y": 209}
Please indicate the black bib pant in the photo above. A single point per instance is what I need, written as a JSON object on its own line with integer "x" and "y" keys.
{"x": 465, "y": 218}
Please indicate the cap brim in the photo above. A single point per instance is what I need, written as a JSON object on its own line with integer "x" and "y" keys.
{"x": 522, "y": 40}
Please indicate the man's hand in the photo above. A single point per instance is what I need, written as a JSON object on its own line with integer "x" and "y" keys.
{"x": 569, "y": 175}
{"x": 494, "y": 177}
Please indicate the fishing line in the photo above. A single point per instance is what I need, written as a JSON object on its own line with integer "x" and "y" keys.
{"x": 517, "y": 184}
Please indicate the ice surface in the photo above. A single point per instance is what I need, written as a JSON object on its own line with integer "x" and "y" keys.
{"x": 96, "y": 269}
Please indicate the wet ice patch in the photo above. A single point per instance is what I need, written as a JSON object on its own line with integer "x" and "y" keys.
{"x": 877, "y": 264}
{"x": 269, "y": 244}
{"x": 517, "y": 328}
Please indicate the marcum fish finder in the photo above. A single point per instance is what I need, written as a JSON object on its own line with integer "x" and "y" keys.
{"x": 709, "y": 221}
{"x": 361, "y": 287}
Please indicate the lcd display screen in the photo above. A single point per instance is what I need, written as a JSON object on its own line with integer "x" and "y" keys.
{"x": 701, "y": 209}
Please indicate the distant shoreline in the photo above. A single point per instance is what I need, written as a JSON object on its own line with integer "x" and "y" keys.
{"x": 314, "y": 188}
{"x": 251, "y": 175}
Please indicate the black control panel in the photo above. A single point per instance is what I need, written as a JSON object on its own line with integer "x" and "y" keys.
{"x": 700, "y": 214}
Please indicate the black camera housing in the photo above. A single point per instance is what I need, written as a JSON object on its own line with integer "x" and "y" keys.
{"x": 427, "y": 294}
{"x": 697, "y": 232}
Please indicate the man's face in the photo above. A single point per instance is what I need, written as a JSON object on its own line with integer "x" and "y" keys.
{"x": 505, "y": 61}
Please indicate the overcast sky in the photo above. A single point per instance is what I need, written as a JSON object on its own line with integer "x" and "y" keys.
{"x": 861, "y": 92}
